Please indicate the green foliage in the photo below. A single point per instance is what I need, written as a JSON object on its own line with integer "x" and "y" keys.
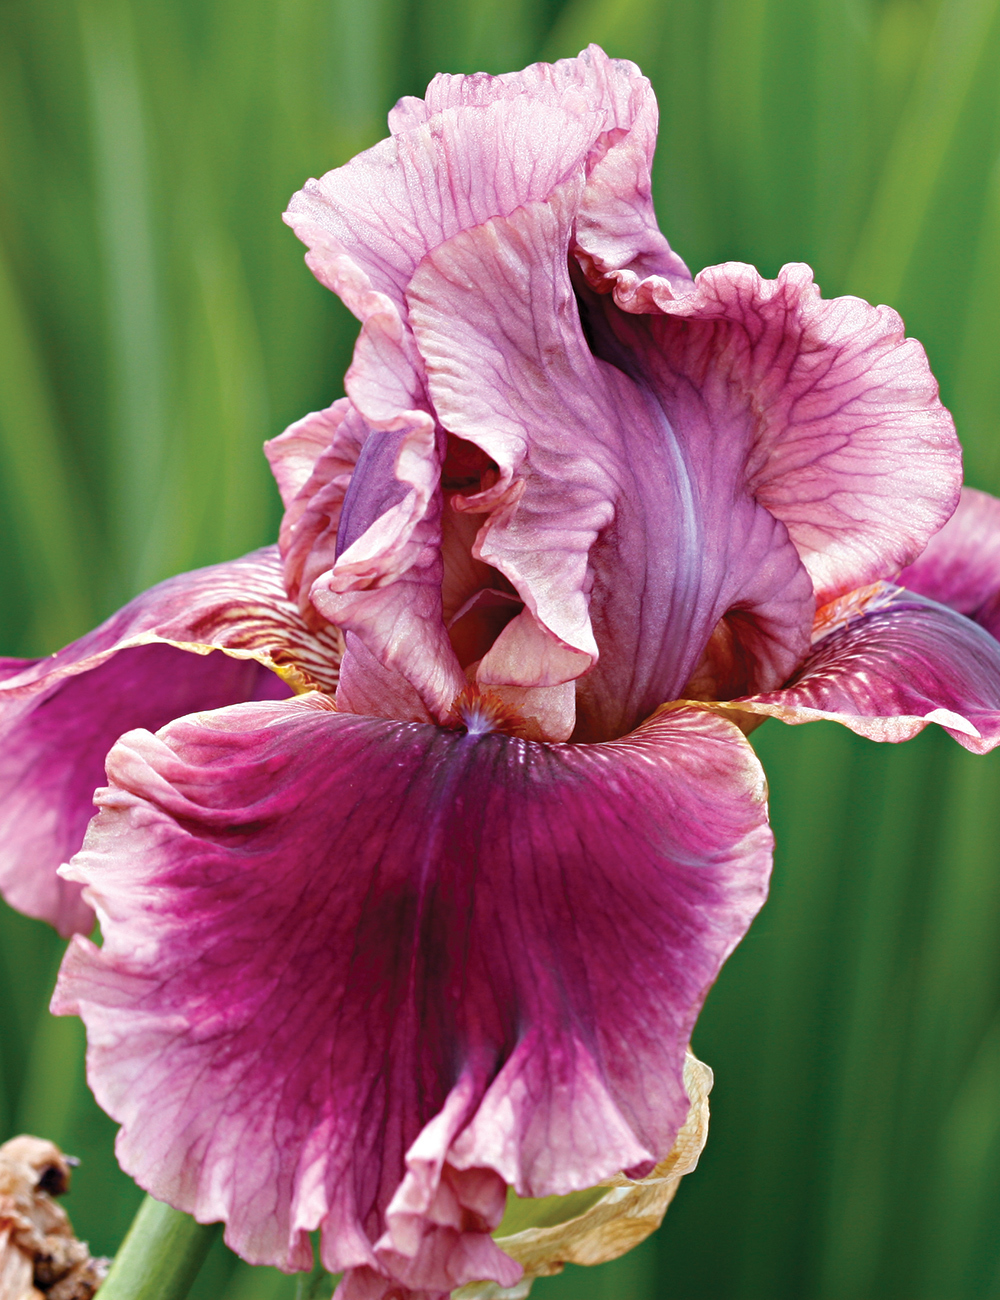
{"x": 156, "y": 323}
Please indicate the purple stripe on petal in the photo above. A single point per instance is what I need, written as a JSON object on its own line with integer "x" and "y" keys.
{"x": 357, "y": 975}
{"x": 59, "y": 716}
{"x": 961, "y": 565}
{"x": 385, "y": 587}
{"x": 374, "y": 487}
{"x": 888, "y": 674}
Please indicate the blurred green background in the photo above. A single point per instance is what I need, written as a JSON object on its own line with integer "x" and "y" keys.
{"x": 157, "y": 323}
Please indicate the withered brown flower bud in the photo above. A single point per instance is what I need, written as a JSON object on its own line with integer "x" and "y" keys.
{"x": 40, "y": 1258}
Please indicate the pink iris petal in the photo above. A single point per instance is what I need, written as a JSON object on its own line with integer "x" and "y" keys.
{"x": 834, "y": 413}
{"x": 905, "y": 662}
{"x": 594, "y": 458}
{"x": 616, "y": 228}
{"x": 60, "y": 715}
{"x": 665, "y": 455}
{"x": 342, "y": 483}
{"x": 368, "y": 225}
{"x": 356, "y": 974}
{"x": 961, "y": 565}
{"x": 313, "y": 461}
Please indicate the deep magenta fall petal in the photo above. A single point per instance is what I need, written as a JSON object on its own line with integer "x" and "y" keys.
{"x": 357, "y": 975}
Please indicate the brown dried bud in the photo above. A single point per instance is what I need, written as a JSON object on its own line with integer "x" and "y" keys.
{"x": 40, "y": 1259}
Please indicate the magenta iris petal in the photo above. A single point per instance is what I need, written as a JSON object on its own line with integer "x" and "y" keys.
{"x": 357, "y": 975}
{"x": 886, "y": 674}
{"x": 60, "y": 715}
{"x": 961, "y": 565}
{"x": 53, "y": 751}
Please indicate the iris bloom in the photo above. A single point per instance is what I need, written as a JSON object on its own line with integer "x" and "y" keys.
{"x": 375, "y": 952}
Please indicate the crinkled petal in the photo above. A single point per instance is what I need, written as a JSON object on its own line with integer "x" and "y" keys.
{"x": 59, "y": 716}
{"x": 357, "y": 975}
{"x": 371, "y": 500}
{"x": 834, "y": 413}
{"x": 296, "y": 454}
{"x": 389, "y": 206}
{"x": 621, "y": 536}
{"x": 385, "y": 586}
{"x": 904, "y": 662}
{"x": 961, "y": 565}
{"x": 763, "y": 427}
{"x": 312, "y": 462}
{"x": 367, "y": 225}
{"x": 616, "y": 226}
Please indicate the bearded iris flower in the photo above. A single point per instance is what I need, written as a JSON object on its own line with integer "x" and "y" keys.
{"x": 430, "y": 828}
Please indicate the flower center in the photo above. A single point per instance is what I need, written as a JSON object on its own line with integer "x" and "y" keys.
{"x": 481, "y": 712}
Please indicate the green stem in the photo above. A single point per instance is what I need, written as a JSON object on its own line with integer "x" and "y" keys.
{"x": 160, "y": 1256}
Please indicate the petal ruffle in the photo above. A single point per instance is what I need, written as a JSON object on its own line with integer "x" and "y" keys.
{"x": 621, "y": 1214}
{"x": 477, "y": 150}
{"x": 59, "y": 716}
{"x": 357, "y": 975}
{"x": 961, "y": 565}
{"x": 616, "y": 228}
{"x": 832, "y": 414}
{"x": 904, "y": 662}
{"x": 368, "y": 225}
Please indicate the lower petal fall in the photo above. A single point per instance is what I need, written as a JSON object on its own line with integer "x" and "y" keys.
{"x": 903, "y": 663}
{"x": 618, "y": 1216}
{"x": 149, "y": 663}
{"x": 357, "y": 975}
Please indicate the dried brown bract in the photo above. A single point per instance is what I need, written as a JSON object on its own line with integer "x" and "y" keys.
{"x": 40, "y": 1259}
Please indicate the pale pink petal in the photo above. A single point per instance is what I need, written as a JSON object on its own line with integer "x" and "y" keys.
{"x": 903, "y": 662}
{"x": 961, "y": 565}
{"x": 59, "y": 716}
{"x": 313, "y": 461}
{"x": 834, "y": 411}
{"x": 621, "y": 536}
{"x": 386, "y": 208}
{"x": 616, "y": 226}
{"x": 356, "y": 974}
{"x": 294, "y": 455}
{"x": 367, "y": 226}
{"x": 385, "y": 585}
